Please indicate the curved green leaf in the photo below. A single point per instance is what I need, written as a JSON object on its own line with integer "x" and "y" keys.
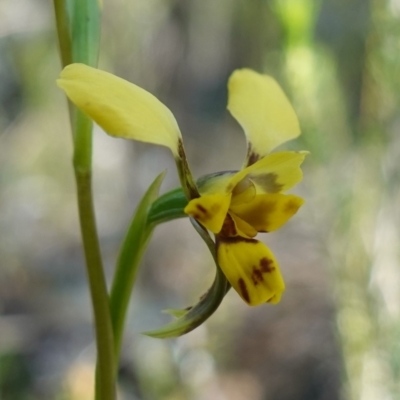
{"x": 133, "y": 247}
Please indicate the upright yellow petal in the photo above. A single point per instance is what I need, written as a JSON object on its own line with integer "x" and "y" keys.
{"x": 251, "y": 269}
{"x": 210, "y": 210}
{"x": 268, "y": 212}
{"x": 258, "y": 103}
{"x": 121, "y": 108}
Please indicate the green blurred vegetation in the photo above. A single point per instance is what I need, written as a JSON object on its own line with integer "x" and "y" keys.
{"x": 336, "y": 333}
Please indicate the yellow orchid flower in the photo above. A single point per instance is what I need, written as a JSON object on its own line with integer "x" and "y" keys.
{"x": 235, "y": 206}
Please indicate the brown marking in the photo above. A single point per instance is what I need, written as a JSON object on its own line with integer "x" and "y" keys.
{"x": 185, "y": 170}
{"x": 252, "y": 156}
{"x": 267, "y": 265}
{"x": 229, "y": 227}
{"x": 201, "y": 208}
{"x": 181, "y": 150}
{"x": 291, "y": 207}
{"x": 243, "y": 290}
{"x": 235, "y": 239}
{"x": 202, "y": 214}
{"x": 269, "y": 182}
{"x": 270, "y": 300}
{"x": 257, "y": 276}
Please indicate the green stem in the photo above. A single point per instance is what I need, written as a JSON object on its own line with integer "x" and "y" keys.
{"x": 64, "y": 41}
{"x": 63, "y": 32}
{"x": 79, "y": 42}
{"x": 105, "y": 382}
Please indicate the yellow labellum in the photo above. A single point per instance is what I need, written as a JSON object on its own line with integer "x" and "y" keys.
{"x": 121, "y": 108}
{"x": 251, "y": 269}
{"x": 260, "y": 106}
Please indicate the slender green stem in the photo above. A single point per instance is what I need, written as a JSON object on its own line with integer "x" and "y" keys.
{"x": 79, "y": 39}
{"x": 64, "y": 41}
{"x": 63, "y": 31}
{"x": 105, "y": 376}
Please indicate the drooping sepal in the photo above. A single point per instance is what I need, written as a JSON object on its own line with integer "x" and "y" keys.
{"x": 121, "y": 108}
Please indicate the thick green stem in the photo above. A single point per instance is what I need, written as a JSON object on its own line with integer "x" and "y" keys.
{"x": 105, "y": 377}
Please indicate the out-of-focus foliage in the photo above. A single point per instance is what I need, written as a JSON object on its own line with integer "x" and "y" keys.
{"x": 335, "y": 335}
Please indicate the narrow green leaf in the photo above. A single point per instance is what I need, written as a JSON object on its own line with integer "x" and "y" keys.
{"x": 133, "y": 247}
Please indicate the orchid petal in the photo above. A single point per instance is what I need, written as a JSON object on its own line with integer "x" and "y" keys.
{"x": 260, "y": 106}
{"x": 210, "y": 210}
{"x": 121, "y": 108}
{"x": 251, "y": 269}
{"x": 268, "y": 212}
{"x": 275, "y": 173}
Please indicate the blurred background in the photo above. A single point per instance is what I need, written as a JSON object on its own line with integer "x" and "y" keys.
{"x": 336, "y": 333}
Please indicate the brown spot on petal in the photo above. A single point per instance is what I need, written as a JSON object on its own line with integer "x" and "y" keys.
{"x": 201, "y": 208}
{"x": 203, "y": 214}
{"x": 269, "y": 182}
{"x": 266, "y": 265}
{"x": 235, "y": 239}
{"x": 257, "y": 276}
{"x": 252, "y": 156}
{"x": 229, "y": 227}
{"x": 243, "y": 290}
